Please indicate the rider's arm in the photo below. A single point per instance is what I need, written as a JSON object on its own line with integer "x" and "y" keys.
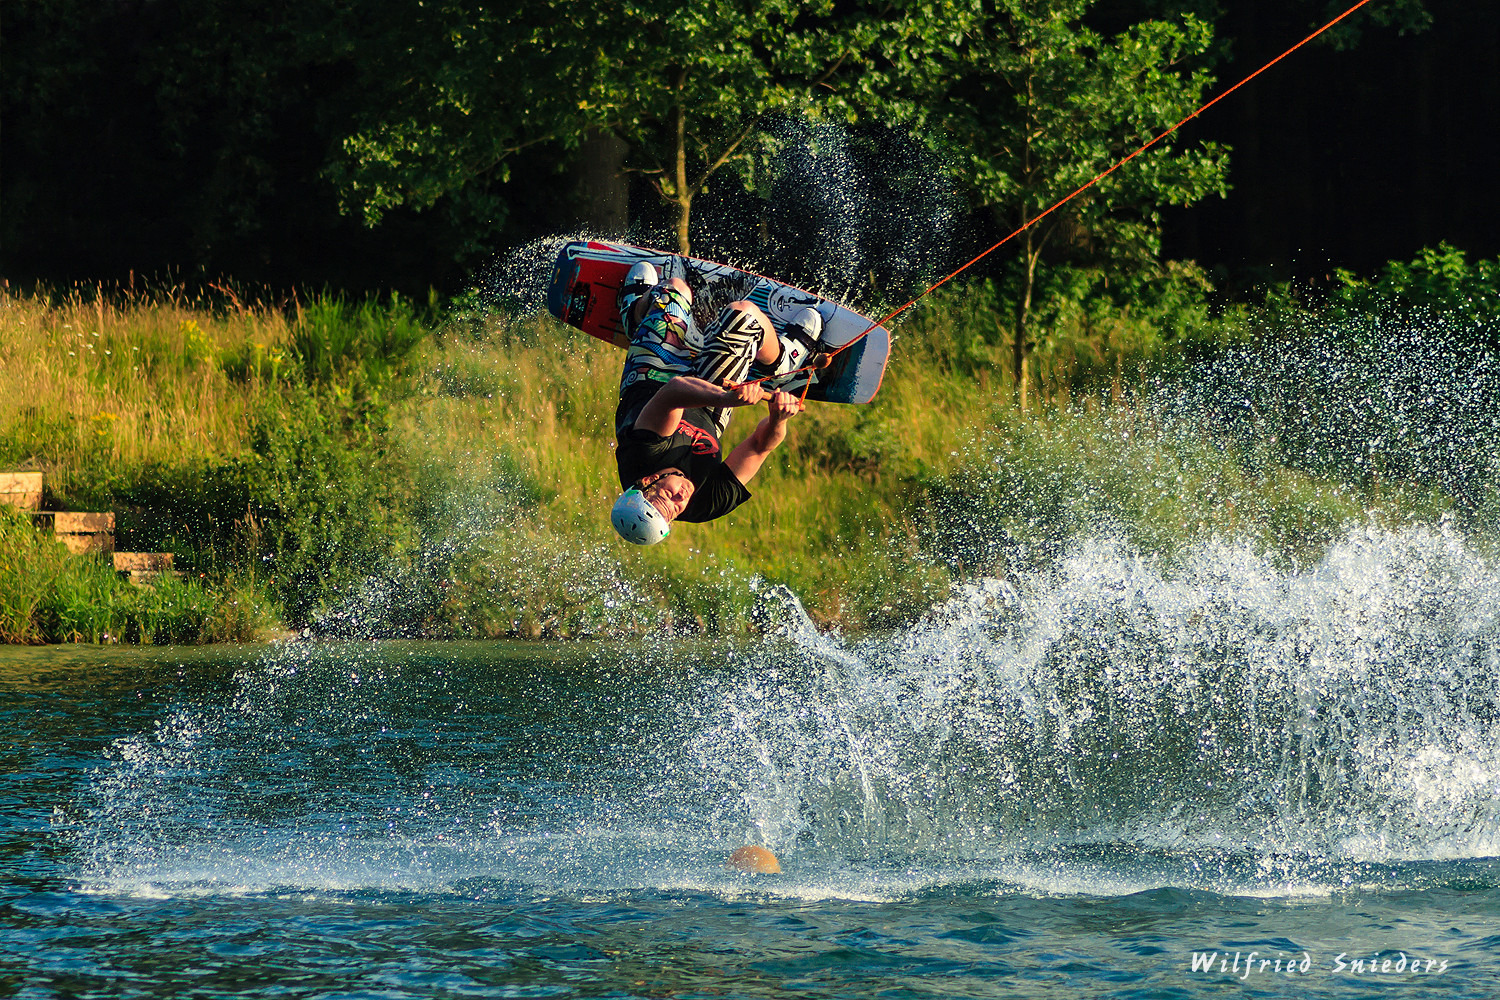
{"x": 750, "y": 454}
{"x": 664, "y": 412}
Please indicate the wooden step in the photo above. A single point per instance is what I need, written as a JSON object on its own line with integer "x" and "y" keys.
{"x": 143, "y": 567}
{"x": 21, "y": 489}
{"x": 73, "y": 522}
{"x": 142, "y": 562}
{"x": 82, "y": 532}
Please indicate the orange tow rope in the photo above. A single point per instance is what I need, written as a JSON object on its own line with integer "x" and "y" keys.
{"x": 1082, "y": 188}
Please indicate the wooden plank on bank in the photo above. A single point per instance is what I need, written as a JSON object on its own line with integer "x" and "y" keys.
{"x": 142, "y": 562}
{"x": 72, "y": 522}
{"x": 144, "y": 568}
{"x": 21, "y": 489}
{"x": 83, "y": 532}
{"x": 88, "y": 543}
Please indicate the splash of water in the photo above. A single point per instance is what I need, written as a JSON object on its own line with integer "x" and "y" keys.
{"x": 1396, "y": 398}
{"x": 1225, "y": 706}
{"x": 1348, "y": 711}
{"x": 1226, "y": 723}
{"x": 854, "y": 214}
{"x": 851, "y": 215}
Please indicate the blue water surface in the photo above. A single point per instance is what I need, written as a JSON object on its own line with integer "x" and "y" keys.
{"x": 975, "y": 807}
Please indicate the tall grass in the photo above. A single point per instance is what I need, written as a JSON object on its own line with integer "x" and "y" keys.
{"x": 50, "y": 595}
{"x": 189, "y": 417}
{"x": 358, "y": 467}
{"x": 870, "y": 513}
{"x": 94, "y": 386}
{"x": 528, "y": 407}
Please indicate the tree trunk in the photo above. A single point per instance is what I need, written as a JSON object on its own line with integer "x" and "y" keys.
{"x": 1031, "y": 251}
{"x": 1023, "y": 313}
{"x": 1018, "y": 355}
{"x": 603, "y": 191}
{"x": 683, "y": 196}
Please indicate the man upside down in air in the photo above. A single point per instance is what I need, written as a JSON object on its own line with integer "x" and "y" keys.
{"x": 676, "y": 394}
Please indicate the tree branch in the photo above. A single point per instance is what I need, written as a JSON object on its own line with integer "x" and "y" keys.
{"x": 823, "y": 80}
{"x": 724, "y": 157}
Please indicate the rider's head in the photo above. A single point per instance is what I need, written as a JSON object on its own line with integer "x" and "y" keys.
{"x": 644, "y": 513}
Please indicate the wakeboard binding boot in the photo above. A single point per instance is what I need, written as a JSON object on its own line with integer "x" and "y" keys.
{"x": 801, "y": 348}
{"x": 640, "y": 279}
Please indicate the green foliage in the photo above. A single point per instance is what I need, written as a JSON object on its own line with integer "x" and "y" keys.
{"x": 227, "y": 122}
{"x": 1385, "y": 402}
{"x": 1439, "y": 285}
{"x": 335, "y": 339}
{"x": 402, "y": 485}
{"x": 455, "y": 90}
{"x": 244, "y": 610}
{"x": 323, "y": 495}
{"x": 1390, "y": 382}
{"x": 292, "y": 488}
{"x": 1034, "y": 102}
{"x": 1048, "y": 105}
{"x": 173, "y": 611}
{"x": 28, "y": 567}
{"x": 683, "y": 86}
{"x": 1440, "y": 281}
{"x": 1054, "y": 103}
{"x": 1090, "y": 332}
{"x": 50, "y": 595}
{"x": 317, "y": 502}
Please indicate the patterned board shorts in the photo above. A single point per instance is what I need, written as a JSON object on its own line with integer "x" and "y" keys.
{"x": 666, "y": 343}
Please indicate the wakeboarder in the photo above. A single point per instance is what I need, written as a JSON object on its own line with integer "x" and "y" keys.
{"x": 676, "y": 393}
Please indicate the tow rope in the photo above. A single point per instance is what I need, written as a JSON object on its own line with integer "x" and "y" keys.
{"x": 1069, "y": 197}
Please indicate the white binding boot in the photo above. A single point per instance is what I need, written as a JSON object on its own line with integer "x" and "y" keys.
{"x": 799, "y": 342}
{"x": 639, "y": 280}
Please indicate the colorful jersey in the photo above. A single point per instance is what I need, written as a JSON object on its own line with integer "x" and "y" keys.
{"x": 665, "y": 344}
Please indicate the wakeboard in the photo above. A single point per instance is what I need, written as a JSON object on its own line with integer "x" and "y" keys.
{"x": 585, "y": 287}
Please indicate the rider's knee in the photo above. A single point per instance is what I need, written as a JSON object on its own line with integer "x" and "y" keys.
{"x": 749, "y": 308}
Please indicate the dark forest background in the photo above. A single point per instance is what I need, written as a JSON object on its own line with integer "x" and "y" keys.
{"x": 182, "y": 139}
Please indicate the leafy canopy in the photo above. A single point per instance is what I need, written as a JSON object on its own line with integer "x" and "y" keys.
{"x": 684, "y": 85}
{"x": 1049, "y": 103}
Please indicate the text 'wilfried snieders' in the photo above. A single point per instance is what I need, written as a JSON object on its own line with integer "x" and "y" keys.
{"x": 1244, "y": 965}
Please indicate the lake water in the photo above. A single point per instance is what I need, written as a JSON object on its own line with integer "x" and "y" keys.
{"x": 1079, "y": 784}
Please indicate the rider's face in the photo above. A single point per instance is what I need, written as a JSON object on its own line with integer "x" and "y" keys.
{"x": 669, "y": 493}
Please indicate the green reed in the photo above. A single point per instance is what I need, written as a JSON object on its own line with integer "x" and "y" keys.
{"x": 370, "y": 468}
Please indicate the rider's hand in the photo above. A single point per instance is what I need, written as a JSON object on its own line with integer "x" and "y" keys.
{"x": 783, "y": 405}
{"x": 744, "y": 394}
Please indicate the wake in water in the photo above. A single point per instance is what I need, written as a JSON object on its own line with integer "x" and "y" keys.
{"x": 1348, "y": 711}
{"x": 1102, "y": 726}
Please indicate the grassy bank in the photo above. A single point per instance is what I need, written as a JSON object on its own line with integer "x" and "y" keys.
{"x": 375, "y": 468}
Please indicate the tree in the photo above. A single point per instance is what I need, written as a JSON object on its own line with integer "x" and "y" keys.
{"x": 685, "y": 86}
{"x": 454, "y": 90}
{"x": 694, "y": 84}
{"x": 680, "y": 84}
{"x": 1045, "y": 104}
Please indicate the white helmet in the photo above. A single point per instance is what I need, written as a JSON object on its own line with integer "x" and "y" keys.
{"x": 637, "y": 520}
